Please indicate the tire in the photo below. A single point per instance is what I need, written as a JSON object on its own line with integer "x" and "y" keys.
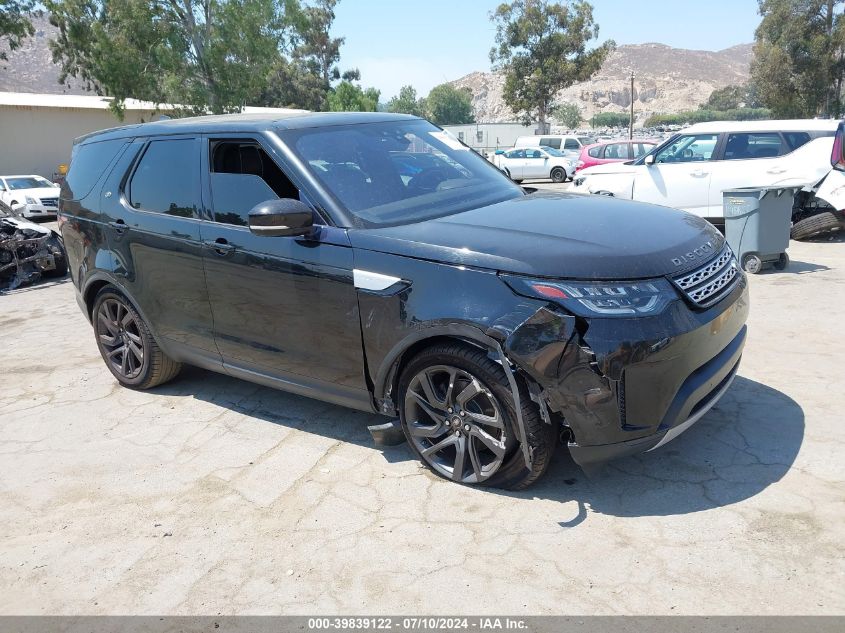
{"x": 782, "y": 262}
{"x": 558, "y": 174}
{"x": 427, "y": 422}
{"x": 815, "y": 225}
{"x": 117, "y": 324}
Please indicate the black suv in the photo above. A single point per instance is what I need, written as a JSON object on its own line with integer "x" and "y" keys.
{"x": 373, "y": 261}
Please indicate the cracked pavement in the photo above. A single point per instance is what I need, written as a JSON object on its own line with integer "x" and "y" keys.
{"x": 215, "y": 496}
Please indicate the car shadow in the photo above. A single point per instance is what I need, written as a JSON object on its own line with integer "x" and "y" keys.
{"x": 797, "y": 267}
{"x": 747, "y": 442}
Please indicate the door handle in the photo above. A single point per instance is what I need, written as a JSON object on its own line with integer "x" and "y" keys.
{"x": 119, "y": 226}
{"x": 220, "y": 246}
{"x": 698, "y": 173}
{"x": 776, "y": 170}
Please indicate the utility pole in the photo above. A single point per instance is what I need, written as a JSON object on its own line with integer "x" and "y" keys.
{"x": 631, "y": 124}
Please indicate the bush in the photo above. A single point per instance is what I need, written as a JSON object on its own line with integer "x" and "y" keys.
{"x": 700, "y": 116}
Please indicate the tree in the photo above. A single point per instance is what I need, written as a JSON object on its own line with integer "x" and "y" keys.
{"x": 799, "y": 57}
{"x": 406, "y": 102}
{"x": 203, "y": 54}
{"x": 542, "y": 48}
{"x": 610, "y": 119}
{"x": 727, "y": 98}
{"x": 349, "y": 97}
{"x": 568, "y": 114}
{"x": 447, "y": 105}
{"x": 15, "y": 25}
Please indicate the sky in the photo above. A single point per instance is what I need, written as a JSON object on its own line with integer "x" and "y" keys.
{"x": 427, "y": 42}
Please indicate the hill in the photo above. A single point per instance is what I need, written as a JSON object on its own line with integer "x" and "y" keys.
{"x": 666, "y": 80}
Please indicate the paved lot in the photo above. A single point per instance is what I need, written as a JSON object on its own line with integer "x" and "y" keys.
{"x": 211, "y": 495}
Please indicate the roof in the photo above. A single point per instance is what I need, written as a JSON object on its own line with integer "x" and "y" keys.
{"x": 249, "y": 122}
{"x": 96, "y": 102}
{"x": 797, "y": 125}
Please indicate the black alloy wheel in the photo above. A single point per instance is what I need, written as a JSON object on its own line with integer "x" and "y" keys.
{"x": 456, "y": 424}
{"x": 119, "y": 335}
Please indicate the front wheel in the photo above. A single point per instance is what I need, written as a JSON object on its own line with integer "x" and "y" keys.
{"x": 558, "y": 174}
{"x": 126, "y": 344}
{"x": 458, "y": 414}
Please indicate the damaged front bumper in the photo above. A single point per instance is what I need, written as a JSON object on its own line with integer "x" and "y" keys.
{"x": 625, "y": 386}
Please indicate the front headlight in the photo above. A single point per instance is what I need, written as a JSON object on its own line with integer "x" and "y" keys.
{"x": 31, "y": 200}
{"x": 601, "y": 298}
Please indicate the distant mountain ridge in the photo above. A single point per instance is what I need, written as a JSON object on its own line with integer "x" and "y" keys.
{"x": 666, "y": 80}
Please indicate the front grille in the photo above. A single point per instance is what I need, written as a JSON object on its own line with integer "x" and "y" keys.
{"x": 50, "y": 202}
{"x": 708, "y": 284}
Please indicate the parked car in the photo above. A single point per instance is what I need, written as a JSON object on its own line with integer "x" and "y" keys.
{"x": 491, "y": 321}
{"x": 614, "y": 152}
{"x": 562, "y": 142}
{"x": 691, "y": 169}
{"x": 37, "y": 196}
{"x": 536, "y": 163}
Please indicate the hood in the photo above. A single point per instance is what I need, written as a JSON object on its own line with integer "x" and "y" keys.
{"x": 7, "y": 221}
{"x": 558, "y": 235}
{"x": 609, "y": 168}
{"x": 38, "y": 192}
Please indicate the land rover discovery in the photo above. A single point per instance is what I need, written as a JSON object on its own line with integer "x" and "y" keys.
{"x": 371, "y": 260}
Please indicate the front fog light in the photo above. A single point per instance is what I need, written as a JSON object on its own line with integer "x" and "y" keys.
{"x": 606, "y": 298}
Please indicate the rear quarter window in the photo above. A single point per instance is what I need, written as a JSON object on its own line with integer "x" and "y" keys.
{"x": 796, "y": 139}
{"x": 87, "y": 164}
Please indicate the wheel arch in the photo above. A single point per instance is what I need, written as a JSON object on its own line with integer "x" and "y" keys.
{"x": 93, "y": 288}
{"x": 386, "y": 379}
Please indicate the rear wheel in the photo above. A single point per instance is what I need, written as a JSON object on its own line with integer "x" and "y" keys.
{"x": 558, "y": 174}
{"x": 126, "y": 344}
{"x": 458, "y": 414}
{"x": 815, "y": 225}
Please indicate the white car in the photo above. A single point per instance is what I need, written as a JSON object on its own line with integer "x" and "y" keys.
{"x": 562, "y": 142}
{"x": 691, "y": 169}
{"x": 31, "y": 196}
{"x": 535, "y": 163}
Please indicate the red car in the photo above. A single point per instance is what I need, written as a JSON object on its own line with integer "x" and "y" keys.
{"x": 612, "y": 152}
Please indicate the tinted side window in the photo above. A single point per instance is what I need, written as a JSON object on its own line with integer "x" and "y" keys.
{"x": 687, "y": 149}
{"x": 594, "y": 151}
{"x": 760, "y": 145}
{"x": 616, "y": 151}
{"x": 571, "y": 143}
{"x": 550, "y": 142}
{"x": 242, "y": 176}
{"x": 640, "y": 149}
{"x": 167, "y": 178}
{"x": 533, "y": 153}
{"x": 796, "y": 139}
{"x": 87, "y": 164}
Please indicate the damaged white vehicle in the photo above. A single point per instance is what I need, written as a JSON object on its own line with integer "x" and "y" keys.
{"x": 690, "y": 170}
{"x": 28, "y": 251}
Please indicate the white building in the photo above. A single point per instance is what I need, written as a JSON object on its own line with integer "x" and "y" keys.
{"x": 490, "y": 136}
{"x": 37, "y": 130}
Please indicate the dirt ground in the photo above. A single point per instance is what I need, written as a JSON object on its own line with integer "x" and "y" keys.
{"x": 211, "y": 495}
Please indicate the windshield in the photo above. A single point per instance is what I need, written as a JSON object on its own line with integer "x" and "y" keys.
{"x": 400, "y": 171}
{"x": 27, "y": 182}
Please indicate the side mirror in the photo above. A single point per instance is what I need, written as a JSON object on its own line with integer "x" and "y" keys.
{"x": 837, "y": 155}
{"x": 281, "y": 217}
{"x": 649, "y": 160}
